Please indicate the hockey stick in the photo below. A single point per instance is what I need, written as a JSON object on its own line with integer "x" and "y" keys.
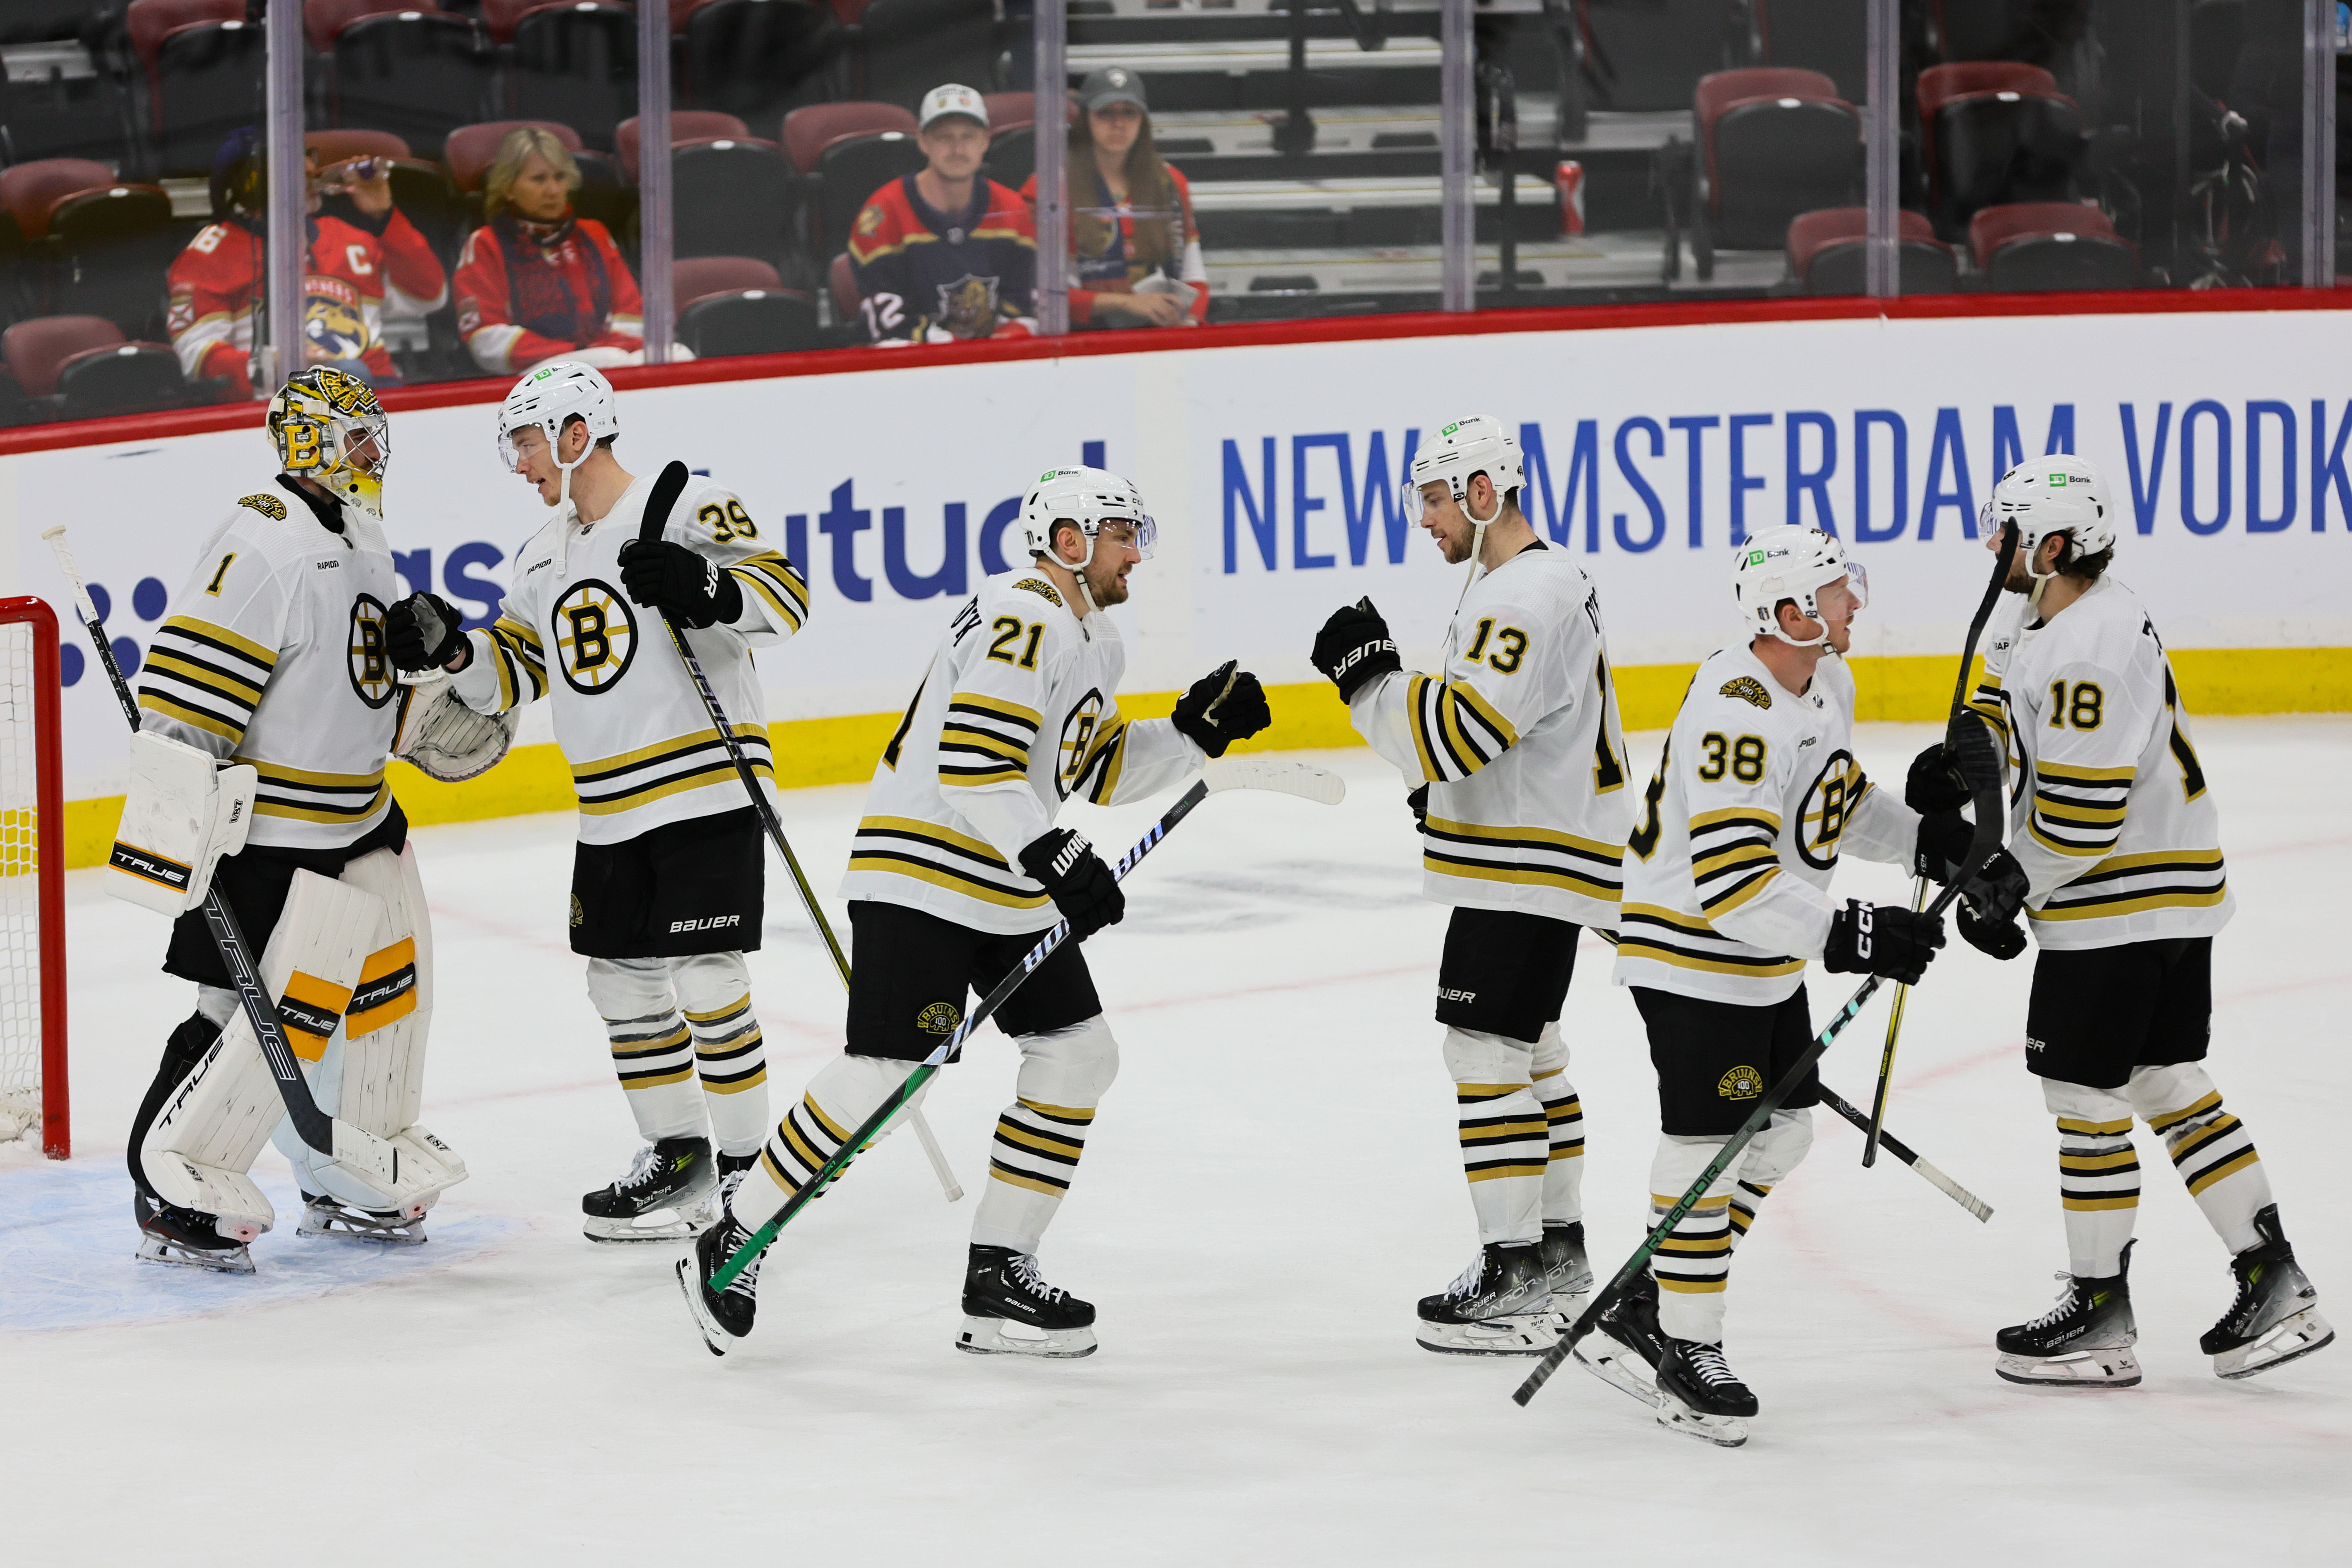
{"x": 1901, "y": 1151}
{"x": 1981, "y": 844}
{"x": 1871, "y": 1138}
{"x": 339, "y": 1140}
{"x": 667, "y": 488}
{"x": 1228, "y": 772}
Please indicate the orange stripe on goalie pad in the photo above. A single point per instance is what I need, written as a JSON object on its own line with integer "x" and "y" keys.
{"x": 388, "y": 989}
{"x": 310, "y": 1009}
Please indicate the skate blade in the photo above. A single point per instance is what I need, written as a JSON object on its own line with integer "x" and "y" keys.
{"x": 2289, "y": 1339}
{"x": 715, "y": 1339}
{"x": 987, "y": 1336}
{"x": 2099, "y": 1366}
{"x": 1619, "y": 1366}
{"x": 364, "y": 1227}
{"x": 1523, "y": 1334}
{"x": 155, "y": 1250}
{"x": 646, "y": 1227}
{"x": 1723, "y": 1431}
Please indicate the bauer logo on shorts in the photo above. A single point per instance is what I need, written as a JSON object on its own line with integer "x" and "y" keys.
{"x": 1748, "y": 689}
{"x": 371, "y": 664}
{"x": 939, "y": 1018}
{"x": 1741, "y": 1083}
{"x": 595, "y": 636}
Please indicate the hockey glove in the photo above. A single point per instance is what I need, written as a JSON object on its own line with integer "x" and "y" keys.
{"x": 1969, "y": 741}
{"x": 690, "y": 588}
{"x": 423, "y": 631}
{"x": 1942, "y": 843}
{"x": 1354, "y": 649}
{"x": 1934, "y": 785}
{"x": 1885, "y": 940}
{"x": 1075, "y": 877}
{"x": 1995, "y": 939}
{"x": 1989, "y": 901}
{"x": 1419, "y": 800}
{"x": 1222, "y": 707}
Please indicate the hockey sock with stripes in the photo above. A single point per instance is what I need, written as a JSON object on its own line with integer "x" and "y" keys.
{"x": 1042, "y": 1135}
{"x": 2098, "y": 1176}
{"x": 653, "y": 1053}
{"x": 714, "y": 990}
{"x": 843, "y": 1094}
{"x": 1506, "y": 1135}
{"x": 1771, "y": 1156}
{"x": 1691, "y": 1263}
{"x": 1563, "y": 1178}
{"x": 2210, "y": 1147}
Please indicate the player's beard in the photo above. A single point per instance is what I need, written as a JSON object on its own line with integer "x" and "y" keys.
{"x": 1106, "y": 587}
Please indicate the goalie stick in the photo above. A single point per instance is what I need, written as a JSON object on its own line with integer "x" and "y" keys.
{"x": 339, "y": 1140}
{"x": 1981, "y": 844}
{"x": 667, "y": 488}
{"x": 1227, "y": 772}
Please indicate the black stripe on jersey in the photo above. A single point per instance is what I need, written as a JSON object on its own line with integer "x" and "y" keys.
{"x": 2205, "y": 893}
{"x": 695, "y": 760}
{"x": 776, "y": 579}
{"x": 987, "y": 715}
{"x": 2210, "y": 865}
{"x": 1501, "y": 839}
{"x": 1571, "y": 879}
{"x": 1098, "y": 777}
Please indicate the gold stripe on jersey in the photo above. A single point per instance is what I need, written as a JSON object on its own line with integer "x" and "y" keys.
{"x": 985, "y": 740}
{"x": 1542, "y": 856}
{"x": 905, "y": 847}
{"x": 2078, "y": 811}
{"x": 1456, "y": 732}
{"x": 521, "y": 663}
{"x": 1666, "y": 936}
{"x": 306, "y": 796}
{"x": 609, "y": 786}
{"x": 778, "y": 582}
{"x": 1733, "y": 855}
{"x": 2129, "y": 884}
{"x": 1990, "y": 703}
{"x": 1104, "y": 759}
{"x": 205, "y": 676}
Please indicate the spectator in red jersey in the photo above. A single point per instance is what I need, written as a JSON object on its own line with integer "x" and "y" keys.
{"x": 946, "y": 253}
{"x": 537, "y": 283}
{"x": 1135, "y": 252}
{"x": 366, "y": 260}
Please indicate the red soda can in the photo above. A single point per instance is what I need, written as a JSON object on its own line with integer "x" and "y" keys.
{"x": 1569, "y": 177}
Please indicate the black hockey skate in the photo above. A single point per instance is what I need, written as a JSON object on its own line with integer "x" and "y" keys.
{"x": 1002, "y": 1288}
{"x": 1500, "y": 1306}
{"x": 1700, "y": 1395}
{"x": 2084, "y": 1341}
{"x": 665, "y": 1196}
{"x": 323, "y": 1215}
{"x": 722, "y": 1316}
{"x": 2276, "y": 1315}
{"x": 168, "y": 1233}
{"x": 733, "y": 1169}
{"x": 1626, "y": 1344}
{"x": 1566, "y": 1268}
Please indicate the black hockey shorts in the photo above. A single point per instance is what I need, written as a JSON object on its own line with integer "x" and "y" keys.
{"x": 1715, "y": 1058}
{"x": 2099, "y": 1012}
{"x": 1505, "y": 972}
{"x": 255, "y": 883}
{"x": 672, "y": 891}
{"x": 910, "y": 971}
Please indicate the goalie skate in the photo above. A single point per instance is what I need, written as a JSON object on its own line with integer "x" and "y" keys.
{"x": 669, "y": 1194}
{"x": 190, "y": 1240}
{"x": 324, "y": 1216}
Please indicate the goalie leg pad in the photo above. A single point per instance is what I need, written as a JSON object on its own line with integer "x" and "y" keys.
{"x": 1041, "y": 1136}
{"x": 182, "y": 813}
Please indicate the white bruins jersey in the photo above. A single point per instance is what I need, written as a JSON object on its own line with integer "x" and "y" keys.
{"x": 274, "y": 654}
{"x": 1018, "y": 712}
{"x": 1756, "y": 794}
{"x": 1519, "y": 742}
{"x": 2109, "y": 813}
{"x": 640, "y": 744}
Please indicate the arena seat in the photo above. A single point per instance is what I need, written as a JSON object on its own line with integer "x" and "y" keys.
{"x": 471, "y": 149}
{"x": 81, "y": 367}
{"x": 1774, "y": 142}
{"x": 417, "y": 71}
{"x": 752, "y": 58}
{"x": 105, "y": 253}
{"x": 573, "y": 60}
{"x": 731, "y": 198}
{"x": 1826, "y": 253}
{"x": 906, "y": 48}
{"x": 841, "y": 281}
{"x": 685, "y": 125}
{"x": 2048, "y": 246}
{"x": 30, "y": 190}
{"x": 1991, "y": 133}
{"x": 849, "y": 172}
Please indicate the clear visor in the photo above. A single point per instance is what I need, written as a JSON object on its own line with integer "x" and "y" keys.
{"x": 1141, "y": 534}
{"x": 1857, "y": 583}
{"x": 509, "y": 450}
{"x": 1415, "y": 504}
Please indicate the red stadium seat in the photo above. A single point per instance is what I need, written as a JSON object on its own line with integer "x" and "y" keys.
{"x": 31, "y": 190}
{"x": 147, "y": 22}
{"x": 685, "y": 125}
{"x": 336, "y": 146}
{"x": 37, "y": 350}
{"x": 1773, "y": 142}
{"x": 472, "y": 148}
{"x": 809, "y": 132}
{"x": 1826, "y": 254}
{"x": 693, "y": 277}
{"x": 1993, "y": 134}
{"x": 842, "y": 278}
{"x": 322, "y": 20}
{"x": 2040, "y": 247}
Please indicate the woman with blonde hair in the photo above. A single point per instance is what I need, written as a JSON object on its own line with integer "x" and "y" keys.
{"x": 537, "y": 283}
{"x": 1135, "y": 252}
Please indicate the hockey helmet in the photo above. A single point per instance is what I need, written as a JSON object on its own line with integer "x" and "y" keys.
{"x": 2061, "y": 493}
{"x": 546, "y": 399}
{"x": 1792, "y": 563}
{"x": 1478, "y": 444}
{"x": 328, "y": 426}
{"x": 1088, "y": 498}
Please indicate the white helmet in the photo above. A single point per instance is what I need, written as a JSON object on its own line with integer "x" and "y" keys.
{"x": 1090, "y": 498}
{"x": 2057, "y": 494}
{"x": 1478, "y": 444}
{"x": 1790, "y": 563}
{"x": 547, "y": 397}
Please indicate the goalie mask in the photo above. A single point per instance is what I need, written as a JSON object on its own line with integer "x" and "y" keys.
{"x": 1087, "y": 498}
{"x": 2057, "y": 494}
{"x": 1791, "y": 564}
{"x": 329, "y": 429}
{"x": 545, "y": 399}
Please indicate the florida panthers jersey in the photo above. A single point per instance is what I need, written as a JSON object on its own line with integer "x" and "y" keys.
{"x": 640, "y": 744}
{"x": 1519, "y": 742}
{"x": 273, "y": 653}
{"x": 1756, "y": 794}
{"x": 2109, "y": 811}
{"x": 1018, "y": 712}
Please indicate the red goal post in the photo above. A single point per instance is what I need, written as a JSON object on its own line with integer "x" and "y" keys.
{"x": 32, "y": 881}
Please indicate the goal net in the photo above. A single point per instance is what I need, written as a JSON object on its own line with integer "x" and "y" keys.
{"x": 32, "y": 881}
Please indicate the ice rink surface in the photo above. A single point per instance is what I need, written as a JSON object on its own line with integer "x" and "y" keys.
{"x": 1270, "y": 1186}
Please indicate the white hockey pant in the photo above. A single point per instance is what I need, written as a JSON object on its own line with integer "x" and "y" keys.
{"x": 843, "y": 1093}
{"x": 1693, "y": 1265}
{"x": 1522, "y": 1130}
{"x": 2098, "y": 1169}
{"x": 1042, "y": 1134}
{"x": 672, "y": 1021}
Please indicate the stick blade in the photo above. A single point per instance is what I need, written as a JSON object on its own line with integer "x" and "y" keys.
{"x": 1279, "y": 774}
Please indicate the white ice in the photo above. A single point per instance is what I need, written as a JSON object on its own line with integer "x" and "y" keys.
{"x": 1271, "y": 1185}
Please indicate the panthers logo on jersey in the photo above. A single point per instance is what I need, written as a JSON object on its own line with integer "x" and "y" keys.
{"x": 1077, "y": 741}
{"x": 595, "y": 636}
{"x": 1827, "y": 807}
{"x": 968, "y": 306}
{"x": 371, "y": 663}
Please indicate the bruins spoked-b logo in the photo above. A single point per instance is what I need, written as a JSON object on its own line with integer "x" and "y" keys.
{"x": 1741, "y": 1083}
{"x": 1827, "y": 807}
{"x": 595, "y": 636}
{"x": 371, "y": 664}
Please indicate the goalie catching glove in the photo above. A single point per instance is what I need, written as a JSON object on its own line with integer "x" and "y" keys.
{"x": 445, "y": 740}
{"x": 1075, "y": 878}
{"x": 1224, "y": 706}
{"x": 1354, "y": 649}
{"x": 1885, "y": 940}
{"x": 690, "y": 589}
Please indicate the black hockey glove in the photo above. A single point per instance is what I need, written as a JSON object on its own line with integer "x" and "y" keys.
{"x": 1882, "y": 939}
{"x": 1989, "y": 903}
{"x": 1934, "y": 785}
{"x": 1995, "y": 939}
{"x": 1080, "y": 885}
{"x": 1419, "y": 800}
{"x": 1942, "y": 843}
{"x": 423, "y": 631}
{"x": 1224, "y": 706}
{"x": 691, "y": 589}
{"x": 1354, "y": 649}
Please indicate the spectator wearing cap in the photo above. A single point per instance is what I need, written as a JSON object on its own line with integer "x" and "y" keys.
{"x": 537, "y": 282}
{"x": 946, "y": 253}
{"x": 1135, "y": 252}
